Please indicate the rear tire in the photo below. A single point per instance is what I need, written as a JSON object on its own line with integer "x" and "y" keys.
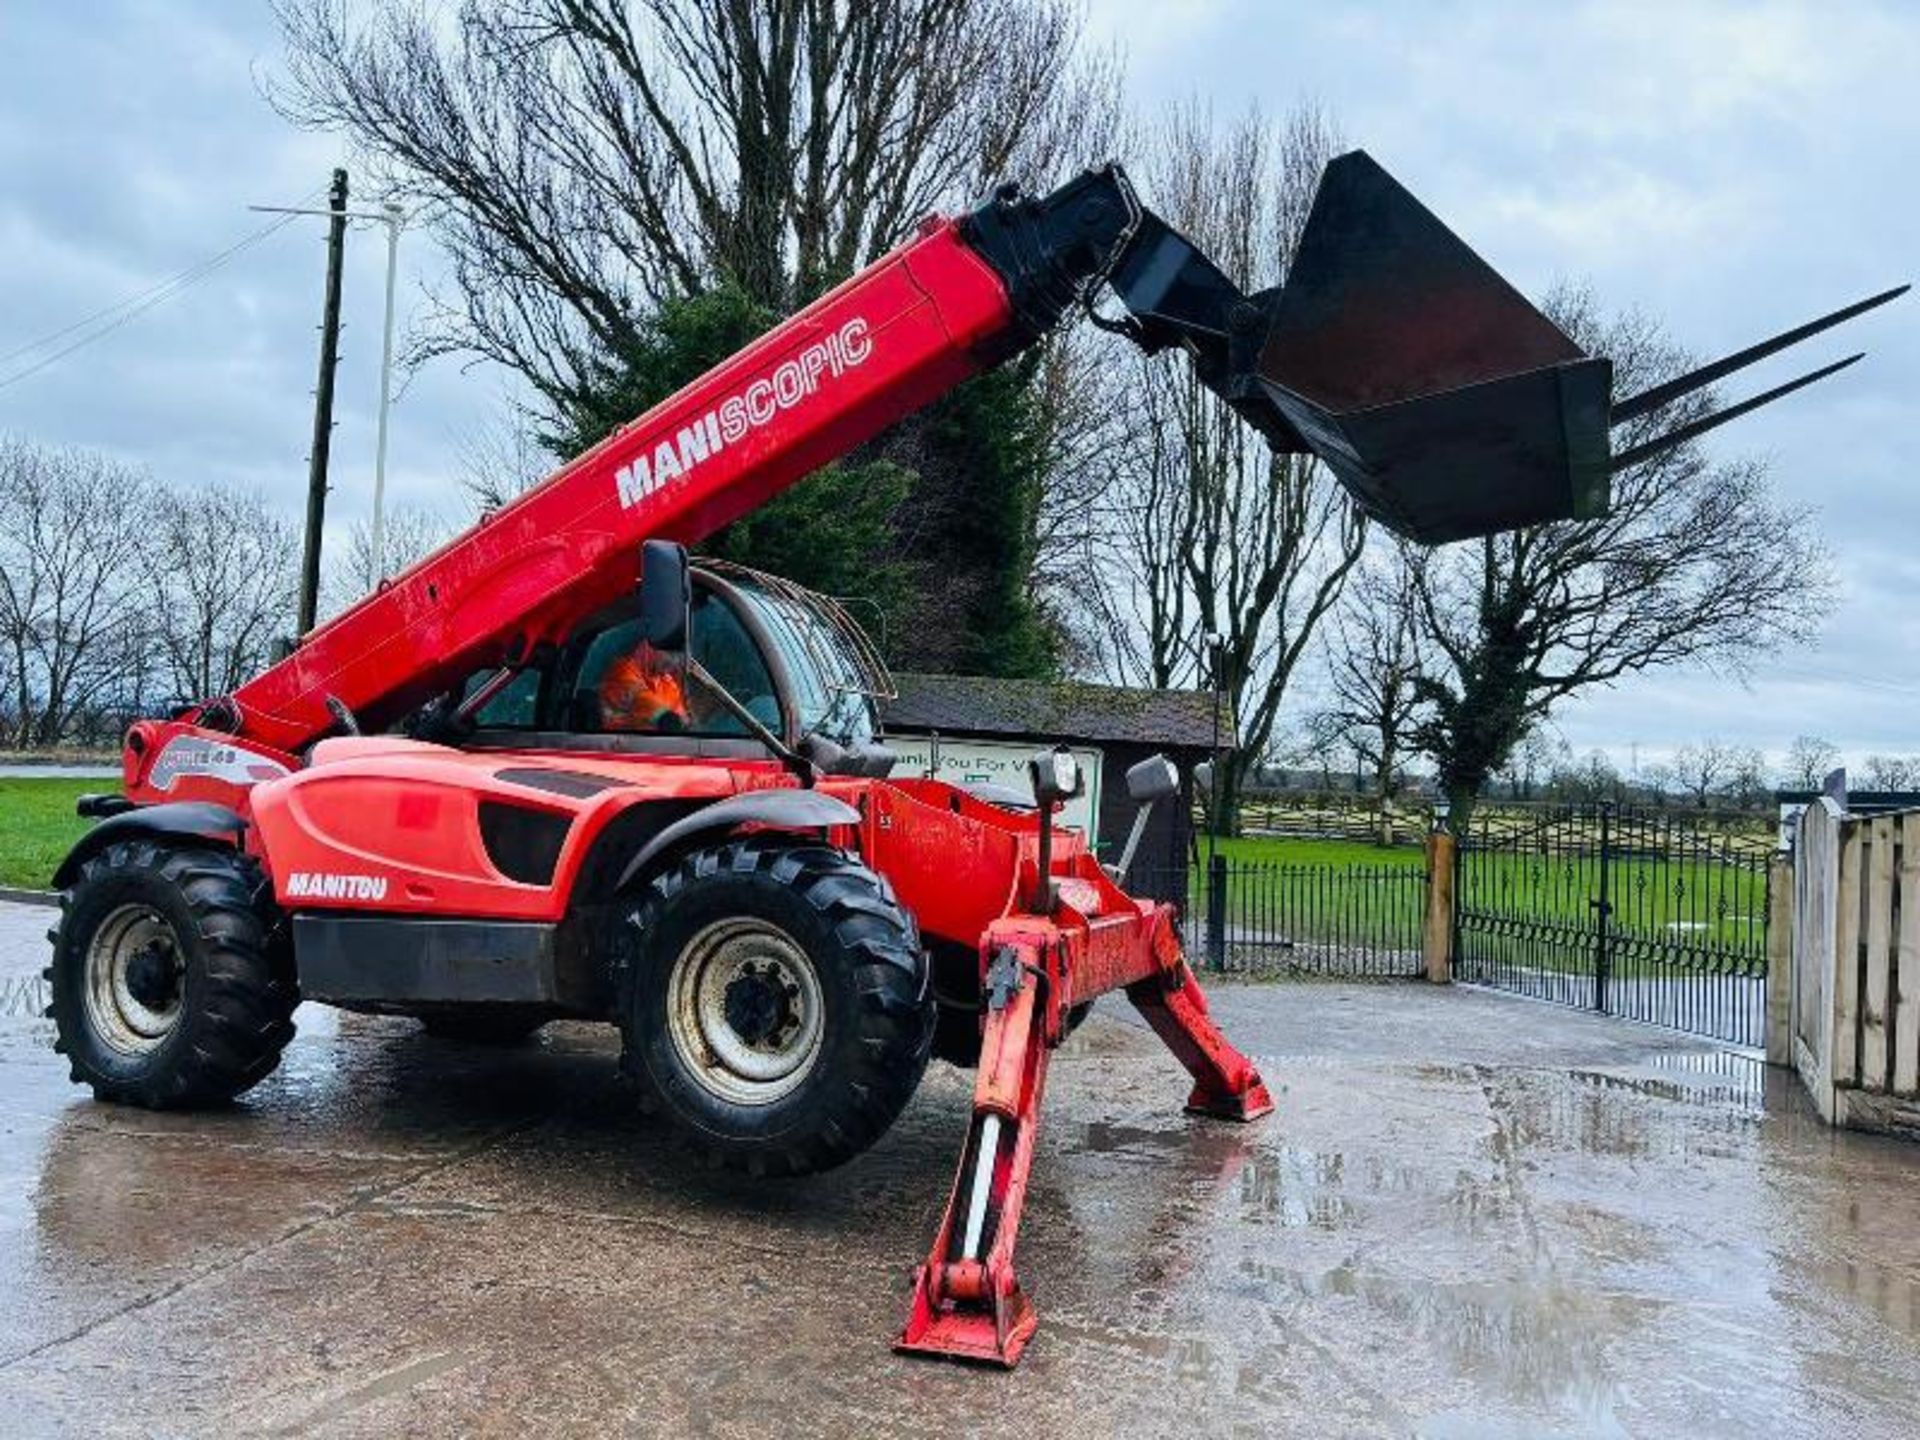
{"x": 171, "y": 987}
{"x": 776, "y": 1009}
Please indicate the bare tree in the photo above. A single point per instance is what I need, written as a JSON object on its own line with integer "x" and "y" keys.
{"x": 500, "y": 460}
{"x": 1374, "y": 661}
{"x": 1701, "y": 769}
{"x": 1746, "y": 784}
{"x": 1892, "y": 772}
{"x": 1530, "y": 761}
{"x": 71, "y": 526}
{"x": 1696, "y": 562}
{"x": 582, "y": 160}
{"x": 221, "y": 569}
{"x": 1583, "y": 782}
{"x": 1810, "y": 758}
{"x": 1201, "y": 530}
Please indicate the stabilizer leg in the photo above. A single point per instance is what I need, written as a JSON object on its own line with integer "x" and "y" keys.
{"x": 967, "y": 1302}
{"x": 1225, "y": 1084}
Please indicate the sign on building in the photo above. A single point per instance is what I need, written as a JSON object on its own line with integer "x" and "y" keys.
{"x": 999, "y": 762}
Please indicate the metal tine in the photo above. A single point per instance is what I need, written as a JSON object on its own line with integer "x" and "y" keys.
{"x": 1720, "y": 417}
{"x": 1646, "y": 400}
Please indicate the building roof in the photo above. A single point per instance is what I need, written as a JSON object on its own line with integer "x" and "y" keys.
{"x": 1056, "y": 710}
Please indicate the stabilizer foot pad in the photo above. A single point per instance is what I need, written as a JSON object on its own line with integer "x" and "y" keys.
{"x": 973, "y": 1336}
{"x": 1248, "y": 1104}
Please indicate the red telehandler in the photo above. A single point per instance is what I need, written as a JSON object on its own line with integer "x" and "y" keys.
{"x": 559, "y": 770}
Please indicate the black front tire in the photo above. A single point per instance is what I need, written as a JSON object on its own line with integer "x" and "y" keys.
{"x": 804, "y": 947}
{"x": 171, "y": 986}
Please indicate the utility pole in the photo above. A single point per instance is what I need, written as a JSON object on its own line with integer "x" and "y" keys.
{"x": 323, "y": 405}
{"x": 395, "y": 219}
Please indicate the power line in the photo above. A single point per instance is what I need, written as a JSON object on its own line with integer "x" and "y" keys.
{"x": 124, "y": 312}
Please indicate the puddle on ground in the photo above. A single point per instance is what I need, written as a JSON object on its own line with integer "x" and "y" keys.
{"x": 1104, "y": 1138}
{"x": 1657, "y": 1088}
{"x": 1738, "y": 1076}
{"x": 1534, "y": 1343}
{"x": 1890, "y": 1294}
{"x": 1602, "y": 1113}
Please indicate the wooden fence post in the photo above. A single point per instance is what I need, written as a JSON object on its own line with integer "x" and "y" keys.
{"x": 1780, "y": 922}
{"x": 1843, "y": 1051}
{"x": 1436, "y": 941}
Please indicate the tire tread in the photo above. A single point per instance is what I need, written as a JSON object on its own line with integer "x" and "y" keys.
{"x": 247, "y": 991}
{"x": 893, "y": 1019}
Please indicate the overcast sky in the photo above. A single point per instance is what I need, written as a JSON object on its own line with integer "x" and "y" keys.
{"x": 1732, "y": 169}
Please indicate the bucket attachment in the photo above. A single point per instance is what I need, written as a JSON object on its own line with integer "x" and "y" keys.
{"x": 1446, "y": 404}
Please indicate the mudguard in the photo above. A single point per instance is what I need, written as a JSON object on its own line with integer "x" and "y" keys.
{"x": 778, "y": 809}
{"x": 196, "y": 819}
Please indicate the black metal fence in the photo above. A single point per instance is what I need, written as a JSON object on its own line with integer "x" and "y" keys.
{"x": 1650, "y": 916}
{"x": 1277, "y": 918}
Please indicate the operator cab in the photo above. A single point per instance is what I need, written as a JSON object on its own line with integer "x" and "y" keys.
{"x": 795, "y": 662}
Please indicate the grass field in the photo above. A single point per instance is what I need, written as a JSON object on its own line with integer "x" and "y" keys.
{"x": 1291, "y": 851}
{"x": 38, "y": 827}
{"x": 1286, "y": 893}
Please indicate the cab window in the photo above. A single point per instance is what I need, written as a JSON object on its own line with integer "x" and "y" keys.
{"x": 515, "y": 708}
{"x": 623, "y": 686}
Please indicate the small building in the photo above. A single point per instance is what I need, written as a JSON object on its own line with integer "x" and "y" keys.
{"x": 974, "y": 729}
{"x": 1855, "y": 802}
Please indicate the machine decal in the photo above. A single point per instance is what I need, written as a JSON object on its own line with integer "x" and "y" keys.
{"x": 214, "y": 759}
{"x": 312, "y": 885}
{"x": 790, "y": 382}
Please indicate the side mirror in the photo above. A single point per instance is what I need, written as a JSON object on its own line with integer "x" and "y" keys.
{"x": 666, "y": 595}
{"x": 1154, "y": 778}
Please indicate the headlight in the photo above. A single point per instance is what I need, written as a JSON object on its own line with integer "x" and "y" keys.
{"x": 1056, "y": 775}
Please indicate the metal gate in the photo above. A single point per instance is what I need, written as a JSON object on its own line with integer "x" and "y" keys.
{"x": 1648, "y": 915}
{"x": 1285, "y": 918}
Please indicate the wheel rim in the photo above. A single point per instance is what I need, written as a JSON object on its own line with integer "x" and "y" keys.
{"x": 744, "y": 1011}
{"x": 134, "y": 976}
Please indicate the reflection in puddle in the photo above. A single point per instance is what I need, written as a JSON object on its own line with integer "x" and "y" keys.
{"x": 1294, "y": 1187}
{"x": 1604, "y": 1113}
{"x": 1540, "y": 1344}
{"x": 1738, "y": 1077}
{"x": 1891, "y": 1295}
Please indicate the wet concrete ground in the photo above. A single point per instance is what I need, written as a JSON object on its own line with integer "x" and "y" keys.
{"x": 1472, "y": 1215}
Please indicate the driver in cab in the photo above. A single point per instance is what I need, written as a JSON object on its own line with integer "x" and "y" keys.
{"x": 644, "y": 690}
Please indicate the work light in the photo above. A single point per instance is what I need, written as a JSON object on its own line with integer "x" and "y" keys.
{"x": 1056, "y": 776}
